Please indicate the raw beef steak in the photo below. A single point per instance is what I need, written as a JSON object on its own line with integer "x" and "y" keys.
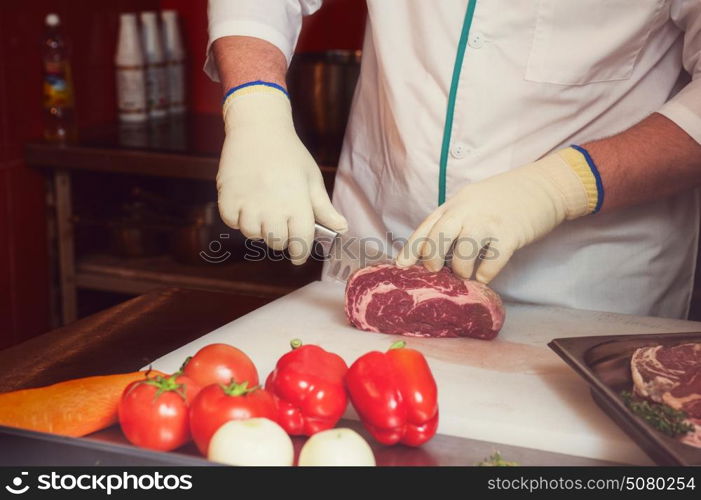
{"x": 672, "y": 375}
{"x": 417, "y": 302}
{"x": 686, "y": 396}
{"x": 660, "y": 370}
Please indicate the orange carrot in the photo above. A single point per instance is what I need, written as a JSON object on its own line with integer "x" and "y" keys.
{"x": 71, "y": 408}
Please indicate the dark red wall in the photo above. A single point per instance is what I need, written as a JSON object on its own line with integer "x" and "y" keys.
{"x": 91, "y": 26}
{"x": 339, "y": 24}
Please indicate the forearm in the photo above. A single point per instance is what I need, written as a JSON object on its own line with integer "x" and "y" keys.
{"x": 242, "y": 59}
{"x": 649, "y": 161}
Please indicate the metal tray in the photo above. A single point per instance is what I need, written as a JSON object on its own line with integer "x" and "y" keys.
{"x": 22, "y": 447}
{"x": 604, "y": 362}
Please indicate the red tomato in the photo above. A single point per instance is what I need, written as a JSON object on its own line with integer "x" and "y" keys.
{"x": 215, "y": 405}
{"x": 154, "y": 413}
{"x": 189, "y": 386}
{"x": 221, "y": 364}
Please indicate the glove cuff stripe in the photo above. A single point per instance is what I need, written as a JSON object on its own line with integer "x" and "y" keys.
{"x": 583, "y": 165}
{"x": 255, "y": 86}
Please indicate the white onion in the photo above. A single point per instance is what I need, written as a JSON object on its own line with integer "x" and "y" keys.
{"x": 342, "y": 447}
{"x": 256, "y": 442}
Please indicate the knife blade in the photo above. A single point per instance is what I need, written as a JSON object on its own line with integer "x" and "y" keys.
{"x": 346, "y": 254}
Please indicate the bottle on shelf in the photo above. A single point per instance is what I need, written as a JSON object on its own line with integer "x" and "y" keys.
{"x": 59, "y": 108}
{"x": 175, "y": 58}
{"x": 156, "y": 82}
{"x": 131, "y": 79}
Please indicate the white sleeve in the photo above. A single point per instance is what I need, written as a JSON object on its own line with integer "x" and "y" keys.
{"x": 685, "y": 108}
{"x": 276, "y": 21}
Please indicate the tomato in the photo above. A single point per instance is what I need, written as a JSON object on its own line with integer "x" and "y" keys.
{"x": 217, "y": 404}
{"x": 191, "y": 388}
{"x": 154, "y": 413}
{"x": 221, "y": 364}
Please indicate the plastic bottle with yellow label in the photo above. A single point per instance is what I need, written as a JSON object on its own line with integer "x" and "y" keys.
{"x": 59, "y": 103}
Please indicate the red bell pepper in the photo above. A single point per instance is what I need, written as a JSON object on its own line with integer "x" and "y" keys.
{"x": 395, "y": 395}
{"x": 308, "y": 387}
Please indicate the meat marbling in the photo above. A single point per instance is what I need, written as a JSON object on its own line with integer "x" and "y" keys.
{"x": 671, "y": 375}
{"x": 416, "y": 302}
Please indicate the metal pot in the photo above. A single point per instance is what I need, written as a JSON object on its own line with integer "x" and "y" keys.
{"x": 136, "y": 240}
{"x": 321, "y": 86}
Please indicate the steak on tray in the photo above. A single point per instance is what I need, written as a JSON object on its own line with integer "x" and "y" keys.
{"x": 671, "y": 375}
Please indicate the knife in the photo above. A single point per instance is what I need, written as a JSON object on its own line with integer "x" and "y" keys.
{"x": 346, "y": 254}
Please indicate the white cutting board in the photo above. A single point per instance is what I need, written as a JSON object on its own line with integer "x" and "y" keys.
{"x": 511, "y": 390}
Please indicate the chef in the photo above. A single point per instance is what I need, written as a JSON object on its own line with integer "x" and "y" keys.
{"x": 560, "y": 137}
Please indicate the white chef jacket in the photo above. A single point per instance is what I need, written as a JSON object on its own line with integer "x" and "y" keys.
{"x": 536, "y": 75}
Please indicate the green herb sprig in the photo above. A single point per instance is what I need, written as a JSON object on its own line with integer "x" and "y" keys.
{"x": 662, "y": 417}
{"x": 496, "y": 460}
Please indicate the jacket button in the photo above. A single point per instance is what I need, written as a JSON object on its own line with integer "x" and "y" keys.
{"x": 476, "y": 41}
{"x": 458, "y": 151}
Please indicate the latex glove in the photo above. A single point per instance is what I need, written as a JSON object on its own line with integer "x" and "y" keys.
{"x": 269, "y": 185}
{"x": 504, "y": 213}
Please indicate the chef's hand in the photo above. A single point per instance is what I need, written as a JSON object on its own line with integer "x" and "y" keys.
{"x": 504, "y": 213}
{"x": 269, "y": 185}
